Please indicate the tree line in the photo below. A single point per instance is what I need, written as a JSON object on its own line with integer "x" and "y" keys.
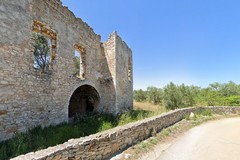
{"x": 174, "y": 96}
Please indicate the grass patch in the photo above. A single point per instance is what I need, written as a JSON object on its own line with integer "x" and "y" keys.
{"x": 200, "y": 117}
{"x": 206, "y": 112}
{"x": 40, "y": 138}
{"x": 149, "y": 107}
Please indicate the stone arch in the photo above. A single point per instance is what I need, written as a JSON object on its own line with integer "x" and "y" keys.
{"x": 83, "y": 100}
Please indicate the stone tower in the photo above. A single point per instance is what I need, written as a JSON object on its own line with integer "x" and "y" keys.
{"x": 119, "y": 58}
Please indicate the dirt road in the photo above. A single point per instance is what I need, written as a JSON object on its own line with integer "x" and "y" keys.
{"x": 216, "y": 140}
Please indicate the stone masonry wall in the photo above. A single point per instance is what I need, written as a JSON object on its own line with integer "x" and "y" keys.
{"x": 104, "y": 144}
{"x": 118, "y": 56}
{"x": 29, "y": 98}
{"x": 124, "y": 81}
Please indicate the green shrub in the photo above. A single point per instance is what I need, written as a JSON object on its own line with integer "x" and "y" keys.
{"x": 206, "y": 112}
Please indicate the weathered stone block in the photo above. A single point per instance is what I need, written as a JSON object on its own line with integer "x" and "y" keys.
{"x": 2, "y": 112}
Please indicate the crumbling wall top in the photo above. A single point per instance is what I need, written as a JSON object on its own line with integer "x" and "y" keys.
{"x": 117, "y": 37}
{"x": 69, "y": 15}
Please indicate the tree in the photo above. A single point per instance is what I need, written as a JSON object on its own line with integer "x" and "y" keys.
{"x": 230, "y": 89}
{"x": 232, "y": 101}
{"x": 189, "y": 95}
{"x": 154, "y": 95}
{"x": 172, "y": 96}
{"x": 139, "y": 95}
{"x": 215, "y": 86}
{"x": 41, "y": 52}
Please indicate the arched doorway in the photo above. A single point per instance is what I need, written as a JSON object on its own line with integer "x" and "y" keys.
{"x": 83, "y": 100}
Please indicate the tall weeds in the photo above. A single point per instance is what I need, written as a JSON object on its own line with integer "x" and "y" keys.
{"x": 39, "y": 138}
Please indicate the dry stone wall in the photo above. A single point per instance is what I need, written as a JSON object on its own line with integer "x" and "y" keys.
{"x": 103, "y": 145}
{"x": 28, "y": 97}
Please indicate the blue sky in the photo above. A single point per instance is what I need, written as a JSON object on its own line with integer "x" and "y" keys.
{"x": 195, "y": 42}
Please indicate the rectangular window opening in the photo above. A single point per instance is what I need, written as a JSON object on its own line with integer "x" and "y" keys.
{"x": 42, "y": 47}
{"x": 79, "y": 62}
{"x": 129, "y": 68}
{"x": 76, "y": 63}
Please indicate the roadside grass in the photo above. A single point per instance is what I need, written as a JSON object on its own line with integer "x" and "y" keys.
{"x": 149, "y": 107}
{"x": 40, "y": 138}
{"x": 143, "y": 147}
{"x": 201, "y": 117}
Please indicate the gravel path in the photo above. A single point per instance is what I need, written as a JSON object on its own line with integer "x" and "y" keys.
{"x": 215, "y": 140}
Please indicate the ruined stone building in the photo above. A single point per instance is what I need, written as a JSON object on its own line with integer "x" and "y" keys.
{"x": 29, "y": 97}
